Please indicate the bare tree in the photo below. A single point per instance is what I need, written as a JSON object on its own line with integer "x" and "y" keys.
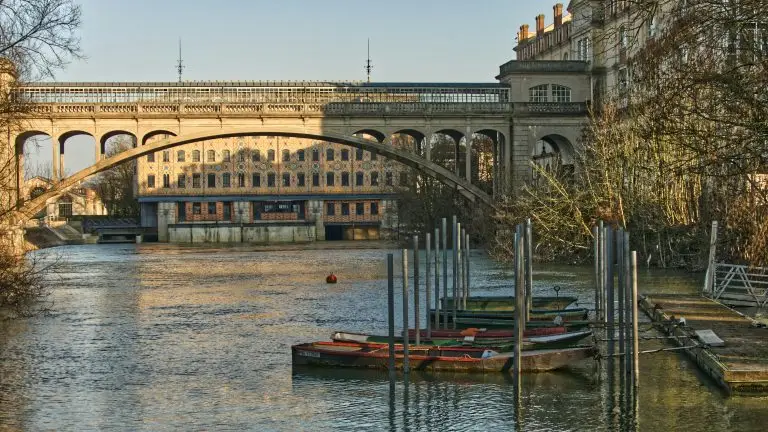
{"x": 115, "y": 186}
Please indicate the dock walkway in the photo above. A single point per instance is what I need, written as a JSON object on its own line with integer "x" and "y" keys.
{"x": 740, "y": 365}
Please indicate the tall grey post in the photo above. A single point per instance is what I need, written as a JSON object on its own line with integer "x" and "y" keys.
{"x": 519, "y": 308}
{"x": 596, "y": 252}
{"x": 466, "y": 254}
{"x": 428, "y": 280}
{"x": 406, "y": 364}
{"x": 609, "y": 301}
{"x": 463, "y": 263}
{"x": 445, "y": 272}
{"x": 626, "y": 257}
{"x": 528, "y": 270}
{"x": 437, "y": 278}
{"x": 635, "y": 349}
{"x": 453, "y": 242}
{"x": 619, "y": 257}
{"x": 391, "y": 308}
{"x": 416, "y": 289}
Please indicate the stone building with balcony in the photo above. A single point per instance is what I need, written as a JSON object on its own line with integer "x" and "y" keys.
{"x": 266, "y": 190}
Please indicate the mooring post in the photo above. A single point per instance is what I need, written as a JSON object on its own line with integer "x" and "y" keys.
{"x": 428, "y": 281}
{"x": 406, "y": 364}
{"x": 596, "y": 252}
{"x": 619, "y": 256}
{"x": 709, "y": 278}
{"x": 463, "y": 263}
{"x": 528, "y": 270}
{"x": 466, "y": 254}
{"x": 416, "y": 314}
{"x": 456, "y": 227}
{"x": 603, "y": 288}
{"x": 519, "y": 308}
{"x": 635, "y": 349}
{"x": 437, "y": 278}
{"x": 444, "y": 233}
{"x": 391, "y": 308}
{"x": 609, "y": 300}
{"x": 630, "y": 309}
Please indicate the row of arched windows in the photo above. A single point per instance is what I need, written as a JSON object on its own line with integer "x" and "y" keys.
{"x": 226, "y": 156}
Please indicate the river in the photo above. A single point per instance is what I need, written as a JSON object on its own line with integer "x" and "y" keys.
{"x": 168, "y": 337}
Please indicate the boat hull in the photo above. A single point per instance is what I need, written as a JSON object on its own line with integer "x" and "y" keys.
{"x": 536, "y": 315}
{"x": 507, "y": 303}
{"x": 434, "y": 359}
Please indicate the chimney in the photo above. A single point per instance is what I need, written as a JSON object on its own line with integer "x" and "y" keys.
{"x": 539, "y": 24}
{"x": 558, "y": 14}
{"x": 523, "y": 32}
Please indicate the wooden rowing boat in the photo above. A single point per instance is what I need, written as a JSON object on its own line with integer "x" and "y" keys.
{"x": 431, "y": 358}
{"x": 536, "y": 315}
{"x": 507, "y": 303}
{"x": 498, "y": 344}
{"x": 495, "y": 323}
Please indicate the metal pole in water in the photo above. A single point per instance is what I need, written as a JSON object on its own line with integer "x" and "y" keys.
{"x": 603, "y": 288}
{"x": 609, "y": 300}
{"x": 391, "y": 308}
{"x": 635, "y": 349}
{"x": 455, "y": 268}
{"x": 619, "y": 240}
{"x": 528, "y": 270}
{"x": 466, "y": 247}
{"x": 428, "y": 280}
{"x": 437, "y": 278}
{"x": 519, "y": 307}
{"x": 444, "y": 227}
{"x": 463, "y": 263}
{"x": 629, "y": 317}
{"x": 406, "y": 364}
{"x": 596, "y": 252}
{"x": 416, "y": 317}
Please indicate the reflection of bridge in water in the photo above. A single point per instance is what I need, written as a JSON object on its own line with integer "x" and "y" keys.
{"x": 342, "y": 113}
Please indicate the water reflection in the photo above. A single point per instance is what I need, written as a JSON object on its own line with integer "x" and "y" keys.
{"x": 154, "y": 337}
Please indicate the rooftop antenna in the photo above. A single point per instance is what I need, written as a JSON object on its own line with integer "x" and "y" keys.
{"x": 368, "y": 64}
{"x": 180, "y": 63}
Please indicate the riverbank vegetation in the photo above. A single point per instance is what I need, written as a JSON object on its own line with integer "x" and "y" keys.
{"x": 38, "y": 38}
{"x": 679, "y": 144}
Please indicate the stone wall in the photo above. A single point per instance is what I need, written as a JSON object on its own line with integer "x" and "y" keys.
{"x": 250, "y": 233}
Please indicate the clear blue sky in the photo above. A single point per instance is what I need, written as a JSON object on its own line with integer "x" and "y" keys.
{"x": 411, "y": 40}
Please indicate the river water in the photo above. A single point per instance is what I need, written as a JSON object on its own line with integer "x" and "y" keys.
{"x": 166, "y": 337}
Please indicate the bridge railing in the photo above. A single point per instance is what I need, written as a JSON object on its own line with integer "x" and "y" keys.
{"x": 340, "y": 108}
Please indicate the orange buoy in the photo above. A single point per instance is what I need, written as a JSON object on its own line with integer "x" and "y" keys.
{"x": 331, "y": 278}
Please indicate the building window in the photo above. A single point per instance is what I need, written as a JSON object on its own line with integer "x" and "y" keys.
{"x": 271, "y": 180}
{"x": 166, "y": 181}
{"x": 181, "y": 211}
{"x": 286, "y": 156}
{"x": 195, "y": 155}
{"x": 240, "y": 180}
{"x": 241, "y": 156}
{"x": 403, "y": 179}
{"x": 652, "y": 27}
{"x": 565, "y": 57}
{"x": 255, "y": 155}
{"x": 181, "y": 181}
{"x": 374, "y": 178}
{"x": 210, "y": 156}
{"x": 538, "y": 93}
{"x": 330, "y": 209}
{"x": 226, "y": 156}
{"x": 374, "y": 208}
{"x": 623, "y": 80}
{"x": 227, "y": 211}
{"x": 359, "y": 209}
{"x": 359, "y": 154}
{"x": 329, "y": 179}
{"x": 315, "y": 155}
{"x": 271, "y": 155}
{"x": 359, "y": 178}
{"x": 151, "y": 181}
{"x": 286, "y": 179}
{"x": 211, "y": 180}
{"x": 197, "y": 208}
{"x": 315, "y": 179}
{"x": 388, "y": 178}
{"x": 344, "y": 154}
{"x": 166, "y": 156}
{"x": 374, "y": 156}
{"x": 180, "y": 156}
{"x": 561, "y": 93}
{"x": 256, "y": 180}
{"x": 623, "y": 37}
{"x": 226, "y": 180}
{"x": 211, "y": 208}
{"x": 300, "y": 155}
{"x": 345, "y": 209}
{"x": 345, "y": 179}
{"x": 329, "y": 155}
{"x": 300, "y": 179}
{"x": 150, "y": 157}
{"x": 196, "y": 181}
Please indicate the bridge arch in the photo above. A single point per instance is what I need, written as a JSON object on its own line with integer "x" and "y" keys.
{"x": 111, "y": 134}
{"x": 404, "y": 157}
{"x": 380, "y": 136}
{"x": 153, "y": 133}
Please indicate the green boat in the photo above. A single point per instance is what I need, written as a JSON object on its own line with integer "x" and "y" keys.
{"x": 492, "y": 323}
{"x": 536, "y": 315}
{"x": 507, "y": 303}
